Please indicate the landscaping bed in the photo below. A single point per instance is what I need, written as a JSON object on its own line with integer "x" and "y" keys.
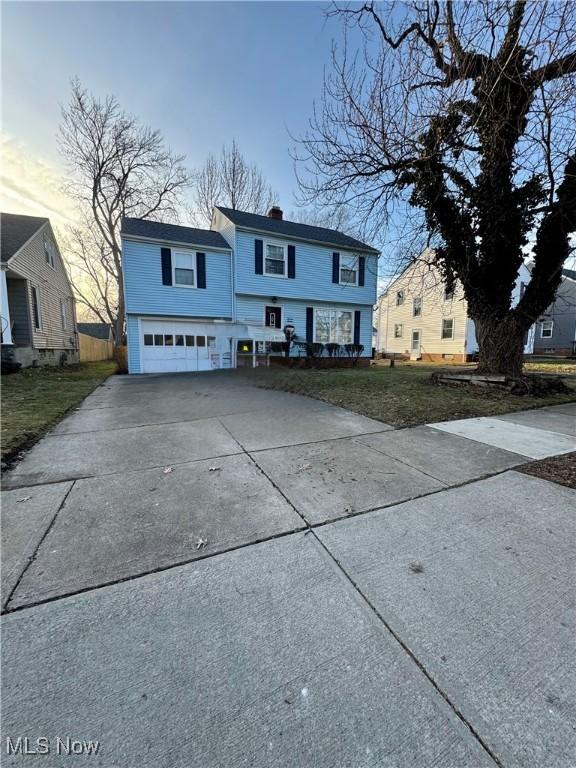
{"x": 401, "y": 396}
{"x": 34, "y": 399}
{"x": 558, "y": 469}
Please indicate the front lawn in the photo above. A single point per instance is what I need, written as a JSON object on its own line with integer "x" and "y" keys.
{"x": 401, "y": 396}
{"x": 36, "y": 398}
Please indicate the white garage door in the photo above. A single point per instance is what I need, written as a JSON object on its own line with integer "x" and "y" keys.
{"x": 176, "y": 346}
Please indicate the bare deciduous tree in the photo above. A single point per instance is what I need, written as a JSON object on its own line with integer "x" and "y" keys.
{"x": 231, "y": 181}
{"x": 118, "y": 168}
{"x": 462, "y": 114}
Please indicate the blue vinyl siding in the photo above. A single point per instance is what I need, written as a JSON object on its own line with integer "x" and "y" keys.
{"x": 313, "y": 279}
{"x": 133, "y": 338}
{"x": 250, "y": 309}
{"x": 146, "y": 295}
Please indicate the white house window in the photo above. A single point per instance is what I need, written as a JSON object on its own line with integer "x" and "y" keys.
{"x": 63, "y": 314}
{"x": 275, "y": 261}
{"x": 546, "y": 329}
{"x": 398, "y": 331}
{"x": 399, "y": 298}
{"x": 417, "y": 306}
{"x": 184, "y": 268}
{"x": 36, "y": 309}
{"x": 348, "y": 270}
{"x": 49, "y": 251}
{"x": 334, "y": 326}
{"x": 448, "y": 328}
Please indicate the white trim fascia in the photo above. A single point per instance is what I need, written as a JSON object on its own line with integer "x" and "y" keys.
{"x": 176, "y": 243}
{"x": 291, "y": 238}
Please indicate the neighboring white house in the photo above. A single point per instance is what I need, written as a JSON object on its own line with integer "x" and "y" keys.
{"x": 416, "y": 318}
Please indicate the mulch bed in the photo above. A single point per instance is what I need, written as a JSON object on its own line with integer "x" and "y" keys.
{"x": 558, "y": 469}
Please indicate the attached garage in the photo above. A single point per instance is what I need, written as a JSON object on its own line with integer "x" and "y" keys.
{"x": 173, "y": 346}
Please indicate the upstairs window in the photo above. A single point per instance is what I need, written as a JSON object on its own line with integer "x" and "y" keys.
{"x": 348, "y": 270}
{"x": 398, "y": 331}
{"x": 184, "y": 265}
{"x": 448, "y": 328}
{"x": 275, "y": 260}
{"x": 49, "y": 252}
{"x": 448, "y": 294}
{"x": 546, "y": 329}
{"x": 417, "y": 306}
{"x": 399, "y": 298}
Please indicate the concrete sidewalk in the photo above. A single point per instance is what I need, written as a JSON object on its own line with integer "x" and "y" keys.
{"x": 204, "y": 573}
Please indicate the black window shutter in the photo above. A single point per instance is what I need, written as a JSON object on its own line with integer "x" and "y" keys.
{"x": 201, "y": 270}
{"x": 310, "y": 324}
{"x": 291, "y": 261}
{"x": 258, "y": 257}
{"x": 335, "y": 267}
{"x": 357, "y": 327}
{"x": 166, "y": 266}
{"x": 361, "y": 269}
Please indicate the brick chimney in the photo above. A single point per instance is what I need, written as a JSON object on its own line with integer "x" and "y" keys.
{"x": 276, "y": 213}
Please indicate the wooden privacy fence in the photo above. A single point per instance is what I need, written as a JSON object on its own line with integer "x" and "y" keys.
{"x": 92, "y": 350}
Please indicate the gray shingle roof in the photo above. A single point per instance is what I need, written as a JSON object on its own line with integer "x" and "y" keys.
{"x": 173, "y": 233}
{"x": 15, "y": 230}
{"x": 293, "y": 229}
{"x": 97, "y": 330}
{"x": 571, "y": 273}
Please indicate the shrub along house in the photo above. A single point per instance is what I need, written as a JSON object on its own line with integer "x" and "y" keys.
{"x": 37, "y": 304}
{"x": 196, "y": 299}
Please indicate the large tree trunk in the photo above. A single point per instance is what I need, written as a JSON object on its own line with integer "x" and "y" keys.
{"x": 501, "y": 345}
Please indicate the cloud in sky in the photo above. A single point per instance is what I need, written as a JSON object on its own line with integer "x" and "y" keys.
{"x": 30, "y": 185}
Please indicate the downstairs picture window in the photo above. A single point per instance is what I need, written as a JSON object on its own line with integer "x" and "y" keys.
{"x": 334, "y": 326}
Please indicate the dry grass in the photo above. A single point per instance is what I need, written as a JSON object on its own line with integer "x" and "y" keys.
{"x": 34, "y": 399}
{"x": 400, "y": 396}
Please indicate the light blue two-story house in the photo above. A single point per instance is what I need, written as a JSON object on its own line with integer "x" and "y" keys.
{"x": 193, "y": 294}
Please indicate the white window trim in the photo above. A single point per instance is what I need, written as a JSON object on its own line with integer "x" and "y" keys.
{"x": 412, "y": 347}
{"x": 49, "y": 251}
{"x": 414, "y": 300}
{"x": 64, "y": 314}
{"x": 281, "y": 308}
{"x": 551, "y": 324}
{"x": 284, "y": 247}
{"x": 355, "y": 266}
{"x": 332, "y": 309}
{"x": 401, "y": 326}
{"x": 447, "y": 338}
{"x": 195, "y": 267}
{"x": 40, "y": 326}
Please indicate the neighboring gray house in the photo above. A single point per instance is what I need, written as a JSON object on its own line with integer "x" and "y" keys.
{"x": 556, "y": 328}
{"x": 38, "y": 313}
{"x": 102, "y": 331}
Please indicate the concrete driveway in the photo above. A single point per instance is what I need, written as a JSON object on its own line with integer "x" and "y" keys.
{"x": 199, "y": 572}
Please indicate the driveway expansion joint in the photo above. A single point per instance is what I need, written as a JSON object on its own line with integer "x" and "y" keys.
{"x": 37, "y": 548}
{"x": 411, "y": 654}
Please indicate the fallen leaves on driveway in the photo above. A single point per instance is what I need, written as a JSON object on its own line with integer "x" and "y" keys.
{"x": 201, "y": 543}
{"x": 167, "y": 470}
{"x": 24, "y": 498}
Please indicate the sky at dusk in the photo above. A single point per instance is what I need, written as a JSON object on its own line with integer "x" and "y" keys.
{"x": 203, "y": 73}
